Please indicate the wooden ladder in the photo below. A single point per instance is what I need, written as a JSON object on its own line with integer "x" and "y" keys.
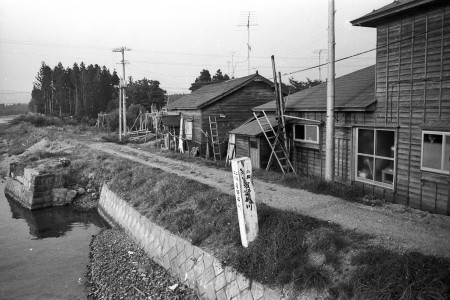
{"x": 215, "y": 137}
{"x": 274, "y": 138}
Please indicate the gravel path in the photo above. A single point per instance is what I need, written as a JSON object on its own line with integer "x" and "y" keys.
{"x": 119, "y": 269}
{"x": 391, "y": 225}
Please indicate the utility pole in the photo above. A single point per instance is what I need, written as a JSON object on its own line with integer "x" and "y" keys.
{"x": 123, "y": 86}
{"x": 120, "y": 111}
{"x": 329, "y": 151}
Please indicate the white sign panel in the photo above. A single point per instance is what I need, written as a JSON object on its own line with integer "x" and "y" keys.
{"x": 245, "y": 199}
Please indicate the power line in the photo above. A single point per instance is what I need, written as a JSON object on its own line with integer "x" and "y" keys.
{"x": 364, "y": 52}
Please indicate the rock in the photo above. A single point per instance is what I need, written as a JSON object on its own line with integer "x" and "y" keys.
{"x": 72, "y": 193}
{"x": 81, "y": 191}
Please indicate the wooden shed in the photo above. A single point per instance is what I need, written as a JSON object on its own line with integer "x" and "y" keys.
{"x": 251, "y": 142}
{"x": 229, "y": 102}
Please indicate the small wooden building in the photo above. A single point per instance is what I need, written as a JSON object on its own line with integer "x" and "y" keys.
{"x": 251, "y": 142}
{"x": 229, "y": 102}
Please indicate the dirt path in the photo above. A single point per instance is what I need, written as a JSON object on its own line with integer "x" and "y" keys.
{"x": 391, "y": 226}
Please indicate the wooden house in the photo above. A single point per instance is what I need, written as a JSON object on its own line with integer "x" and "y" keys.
{"x": 306, "y": 115}
{"x": 393, "y": 138}
{"x": 413, "y": 97}
{"x": 229, "y": 102}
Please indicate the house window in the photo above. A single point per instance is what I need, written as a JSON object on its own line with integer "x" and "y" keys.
{"x": 188, "y": 130}
{"x": 436, "y": 151}
{"x": 375, "y": 156}
{"x": 306, "y": 133}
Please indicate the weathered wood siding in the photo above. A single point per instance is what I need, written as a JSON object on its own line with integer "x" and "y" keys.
{"x": 242, "y": 146}
{"x": 237, "y": 107}
{"x": 413, "y": 86}
{"x": 197, "y": 136}
{"x": 310, "y": 160}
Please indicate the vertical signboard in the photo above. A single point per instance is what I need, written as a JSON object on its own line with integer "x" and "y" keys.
{"x": 245, "y": 199}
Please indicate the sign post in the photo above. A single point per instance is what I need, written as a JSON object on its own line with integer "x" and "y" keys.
{"x": 245, "y": 199}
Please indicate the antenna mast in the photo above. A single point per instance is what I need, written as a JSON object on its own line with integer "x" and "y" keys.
{"x": 319, "y": 51}
{"x": 248, "y": 24}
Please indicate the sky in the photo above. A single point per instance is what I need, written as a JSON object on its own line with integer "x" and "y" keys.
{"x": 171, "y": 41}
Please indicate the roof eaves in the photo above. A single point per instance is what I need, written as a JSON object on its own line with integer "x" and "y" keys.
{"x": 372, "y": 19}
{"x": 235, "y": 88}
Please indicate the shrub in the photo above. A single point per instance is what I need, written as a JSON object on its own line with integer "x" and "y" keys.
{"x": 38, "y": 120}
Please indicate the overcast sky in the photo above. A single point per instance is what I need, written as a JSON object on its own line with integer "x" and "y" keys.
{"x": 172, "y": 41}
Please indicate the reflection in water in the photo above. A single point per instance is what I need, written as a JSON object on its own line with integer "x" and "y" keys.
{"x": 44, "y": 253}
{"x": 54, "y": 221}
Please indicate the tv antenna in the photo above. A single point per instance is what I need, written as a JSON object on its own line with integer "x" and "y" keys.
{"x": 320, "y": 51}
{"x": 247, "y": 21}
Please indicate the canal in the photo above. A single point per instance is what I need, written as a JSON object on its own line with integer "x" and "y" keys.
{"x": 44, "y": 253}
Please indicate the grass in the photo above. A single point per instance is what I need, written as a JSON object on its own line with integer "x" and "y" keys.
{"x": 291, "y": 250}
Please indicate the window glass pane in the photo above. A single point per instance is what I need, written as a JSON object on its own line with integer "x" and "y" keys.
{"x": 188, "y": 130}
{"x": 365, "y": 167}
{"x": 365, "y": 141}
{"x": 299, "y": 132}
{"x": 311, "y": 133}
{"x": 432, "y": 151}
{"x": 385, "y": 143}
{"x": 447, "y": 153}
{"x": 384, "y": 170}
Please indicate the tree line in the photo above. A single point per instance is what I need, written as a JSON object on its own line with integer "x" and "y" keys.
{"x": 84, "y": 91}
{"x": 13, "y": 109}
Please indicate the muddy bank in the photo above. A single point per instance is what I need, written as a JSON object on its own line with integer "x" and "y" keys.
{"x": 119, "y": 269}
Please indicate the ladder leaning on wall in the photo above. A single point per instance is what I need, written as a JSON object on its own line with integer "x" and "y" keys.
{"x": 214, "y": 137}
{"x": 276, "y": 143}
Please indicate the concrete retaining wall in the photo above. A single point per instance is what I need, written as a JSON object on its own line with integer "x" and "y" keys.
{"x": 34, "y": 190}
{"x": 190, "y": 264}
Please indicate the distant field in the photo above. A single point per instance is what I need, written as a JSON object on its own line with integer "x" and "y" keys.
{"x": 6, "y": 119}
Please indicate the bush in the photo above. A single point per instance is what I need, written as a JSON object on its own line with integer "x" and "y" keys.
{"x": 38, "y": 120}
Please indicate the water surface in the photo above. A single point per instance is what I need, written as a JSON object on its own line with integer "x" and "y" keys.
{"x": 44, "y": 253}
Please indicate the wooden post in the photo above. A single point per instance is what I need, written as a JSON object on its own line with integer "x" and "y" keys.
{"x": 245, "y": 199}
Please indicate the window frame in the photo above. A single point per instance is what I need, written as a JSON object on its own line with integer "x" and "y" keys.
{"x": 188, "y": 136}
{"x": 307, "y": 141}
{"x": 445, "y": 136}
{"x": 374, "y": 157}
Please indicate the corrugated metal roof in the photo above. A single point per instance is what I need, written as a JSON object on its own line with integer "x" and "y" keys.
{"x": 253, "y": 129}
{"x": 388, "y": 11}
{"x": 212, "y": 92}
{"x": 353, "y": 92}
